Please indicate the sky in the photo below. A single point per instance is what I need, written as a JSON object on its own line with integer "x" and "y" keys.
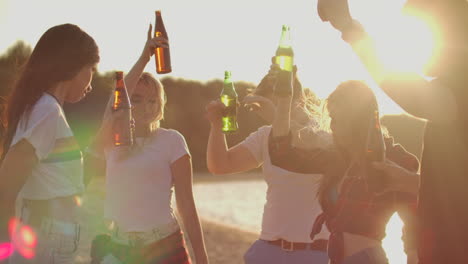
{"x": 208, "y": 37}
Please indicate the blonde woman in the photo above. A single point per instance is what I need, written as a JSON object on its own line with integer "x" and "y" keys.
{"x": 139, "y": 186}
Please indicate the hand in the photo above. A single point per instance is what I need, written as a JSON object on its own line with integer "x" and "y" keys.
{"x": 152, "y": 43}
{"x": 281, "y": 80}
{"x": 399, "y": 179}
{"x": 262, "y": 106}
{"x": 336, "y": 12}
{"x": 214, "y": 113}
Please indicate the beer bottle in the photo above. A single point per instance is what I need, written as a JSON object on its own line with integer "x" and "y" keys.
{"x": 284, "y": 53}
{"x": 375, "y": 151}
{"x": 229, "y": 99}
{"x": 284, "y": 57}
{"x": 123, "y": 126}
{"x": 161, "y": 54}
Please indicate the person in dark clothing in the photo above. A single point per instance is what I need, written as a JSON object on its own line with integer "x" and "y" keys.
{"x": 443, "y": 199}
{"x": 355, "y": 209}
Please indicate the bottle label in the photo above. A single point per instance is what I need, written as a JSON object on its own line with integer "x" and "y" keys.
{"x": 229, "y": 118}
{"x": 122, "y": 129}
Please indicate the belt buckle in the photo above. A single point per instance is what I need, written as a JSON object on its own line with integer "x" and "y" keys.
{"x": 283, "y": 247}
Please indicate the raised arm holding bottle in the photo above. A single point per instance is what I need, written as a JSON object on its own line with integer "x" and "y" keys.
{"x": 443, "y": 101}
{"x": 140, "y": 180}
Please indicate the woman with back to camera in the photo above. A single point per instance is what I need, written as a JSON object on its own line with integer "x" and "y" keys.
{"x": 291, "y": 205}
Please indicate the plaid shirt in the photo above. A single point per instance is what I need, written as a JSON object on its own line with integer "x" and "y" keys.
{"x": 357, "y": 209}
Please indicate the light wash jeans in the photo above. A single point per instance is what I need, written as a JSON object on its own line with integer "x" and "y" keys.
{"x": 57, "y": 242}
{"x": 261, "y": 252}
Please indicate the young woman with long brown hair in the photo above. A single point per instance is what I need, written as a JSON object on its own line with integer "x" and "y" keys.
{"x": 41, "y": 160}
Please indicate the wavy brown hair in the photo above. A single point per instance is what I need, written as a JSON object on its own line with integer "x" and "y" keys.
{"x": 61, "y": 52}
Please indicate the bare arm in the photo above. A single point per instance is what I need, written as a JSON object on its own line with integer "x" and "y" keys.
{"x": 220, "y": 158}
{"x": 101, "y": 139}
{"x": 182, "y": 174}
{"x": 132, "y": 77}
{"x": 14, "y": 171}
{"x": 282, "y": 120}
{"x": 412, "y": 92}
{"x": 409, "y": 90}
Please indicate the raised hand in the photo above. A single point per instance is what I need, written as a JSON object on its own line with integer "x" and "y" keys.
{"x": 336, "y": 12}
{"x": 262, "y": 106}
{"x": 214, "y": 113}
{"x": 152, "y": 43}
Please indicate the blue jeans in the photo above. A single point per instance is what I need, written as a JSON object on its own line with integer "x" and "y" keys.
{"x": 375, "y": 255}
{"x": 263, "y": 253}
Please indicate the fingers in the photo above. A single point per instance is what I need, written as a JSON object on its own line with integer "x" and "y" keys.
{"x": 157, "y": 42}
{"x": 150, "y": 31}
{"x": 322, "y": 11}
{"x": 214, "y": 111}
{"x": 215, "y": 106}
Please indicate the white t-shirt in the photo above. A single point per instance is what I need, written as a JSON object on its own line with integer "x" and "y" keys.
{"x": 59, "y": 171}
{"x": 139, "y": 188}
{"x": 291, "y": 203}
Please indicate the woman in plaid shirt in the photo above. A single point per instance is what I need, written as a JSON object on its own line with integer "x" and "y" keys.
{"x": 354, "y": 210}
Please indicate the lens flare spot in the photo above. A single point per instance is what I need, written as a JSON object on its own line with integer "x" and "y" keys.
{"x": 27, "y": 253}
{"x": 28, "y": 237}
{"x": 78, "y": 201}
{"x": 6, "y": 250}
{"x": 13, "y": 225}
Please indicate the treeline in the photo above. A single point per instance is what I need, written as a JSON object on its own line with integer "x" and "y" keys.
{"x": 184, "y": 111}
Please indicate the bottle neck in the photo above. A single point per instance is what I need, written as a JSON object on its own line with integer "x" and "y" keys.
{"x": 285, "y": 40}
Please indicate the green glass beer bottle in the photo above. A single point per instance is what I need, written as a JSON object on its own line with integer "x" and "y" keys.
{"x": 284, "y": 57}
{"x": 229, "y": 99}
{"x": 284, "y": 53}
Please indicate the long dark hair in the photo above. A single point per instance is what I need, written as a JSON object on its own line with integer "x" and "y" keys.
{"x": 61, "y": 52}
{"x": 347, "y": 95}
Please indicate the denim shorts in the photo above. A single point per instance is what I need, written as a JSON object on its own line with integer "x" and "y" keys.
{"x": 57, "y": 242}
{"x": 374, "y": 255}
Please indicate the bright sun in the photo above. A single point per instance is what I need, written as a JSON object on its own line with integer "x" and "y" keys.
{"x": 404, "y": 42}
{"x": 408, "y": 47}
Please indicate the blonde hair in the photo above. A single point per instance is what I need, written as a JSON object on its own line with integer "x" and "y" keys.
{"x": 150, "y": 80}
